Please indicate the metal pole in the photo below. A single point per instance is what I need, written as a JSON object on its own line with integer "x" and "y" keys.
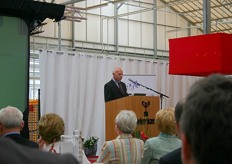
{"x": 206, "y": 16}
{"x": 59, "y": 36}
{"x": 155, "y": 28}
{"x": 73, "y": 31}
{"x": 116, "y": 27}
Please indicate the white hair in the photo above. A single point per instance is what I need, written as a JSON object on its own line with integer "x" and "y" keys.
{"x": 126, "y": 121}
{"x": 11, "y": 117}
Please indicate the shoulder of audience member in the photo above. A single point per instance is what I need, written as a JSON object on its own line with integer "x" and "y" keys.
{"x": 22, "y": 154}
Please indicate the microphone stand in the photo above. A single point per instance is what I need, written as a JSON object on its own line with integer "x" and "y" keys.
{"x": 160, "y": 94}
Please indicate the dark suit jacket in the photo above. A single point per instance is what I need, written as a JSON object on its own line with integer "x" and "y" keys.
{"x": 13, "y": 153}
{"x": 173, "y": 157}
{"x": 22, "y": 141}
{"x": 112, "y": 91}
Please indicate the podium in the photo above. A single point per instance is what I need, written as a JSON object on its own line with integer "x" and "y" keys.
{"x": 134, "y": 103}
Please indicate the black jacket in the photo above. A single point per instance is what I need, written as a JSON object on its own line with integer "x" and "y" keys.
{"x": 112, "y": 91}
{"x": 13, "y": 153}
{"x": 173, "y": 157}
{"x": 22, "y": 141}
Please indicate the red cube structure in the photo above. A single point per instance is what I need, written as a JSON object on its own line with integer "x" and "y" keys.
{"x": 201, "y": 55}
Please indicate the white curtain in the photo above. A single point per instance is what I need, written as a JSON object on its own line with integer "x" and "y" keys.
{"x": 72, "y": 85}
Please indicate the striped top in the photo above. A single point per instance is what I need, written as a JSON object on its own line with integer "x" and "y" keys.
{"x": 123, "y": 149}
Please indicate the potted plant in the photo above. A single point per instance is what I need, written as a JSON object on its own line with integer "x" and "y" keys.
{"x": 90, "y": 146}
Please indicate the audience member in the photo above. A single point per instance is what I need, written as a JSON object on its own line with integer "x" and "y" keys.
{"x": 51, "y": 127}
{"x": 166, "y": 142}
{"x": 174, "y": 157}
{"x": 11, "y": 123}
{"x": 12, "y": 153}
{"x": 125, "y": 148}
{"x": 206, "y": 124}
{"x": 115, "y": 88}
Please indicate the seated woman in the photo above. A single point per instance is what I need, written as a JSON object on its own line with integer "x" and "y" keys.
{"x": 166, "y": 141}
{"x": 125, "y": 148}
{"x": 51, "y": 127}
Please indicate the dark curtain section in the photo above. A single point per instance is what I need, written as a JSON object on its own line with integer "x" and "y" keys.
{"x": 25, "y": 130}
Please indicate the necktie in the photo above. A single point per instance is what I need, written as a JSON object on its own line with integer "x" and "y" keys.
{"x": 120, "y": 87}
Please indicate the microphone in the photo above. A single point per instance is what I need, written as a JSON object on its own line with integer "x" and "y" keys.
{"x": 134, "y": 82}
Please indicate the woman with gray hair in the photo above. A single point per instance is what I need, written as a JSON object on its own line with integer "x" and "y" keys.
{"x": 125, "y": 148}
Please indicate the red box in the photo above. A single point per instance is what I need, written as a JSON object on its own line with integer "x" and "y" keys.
{"x": 201, "y": 55}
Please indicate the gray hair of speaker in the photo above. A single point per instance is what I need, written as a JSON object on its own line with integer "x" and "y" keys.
{"x": 126, "y": 121}
{"x": 11, "y": 117}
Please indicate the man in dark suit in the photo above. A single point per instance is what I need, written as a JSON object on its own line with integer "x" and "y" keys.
{"x": 115, "y": 89}
{"x": 12, "y": 153}
{"x": 174, "y": 157}
{"x": 11, "y": 123}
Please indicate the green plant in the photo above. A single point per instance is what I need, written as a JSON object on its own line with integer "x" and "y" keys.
{"x": 90, "y": 142}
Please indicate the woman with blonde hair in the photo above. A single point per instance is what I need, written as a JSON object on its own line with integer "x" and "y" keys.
{"x": 51, "y": 127}
{"x": 166, "y": 141}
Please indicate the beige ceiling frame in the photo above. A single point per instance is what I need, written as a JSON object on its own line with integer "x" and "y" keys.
{"x": 72, "y": 11}
{"x": 192, "y": 12}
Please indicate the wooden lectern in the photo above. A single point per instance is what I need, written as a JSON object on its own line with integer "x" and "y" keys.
{"x": 145, "y": 123}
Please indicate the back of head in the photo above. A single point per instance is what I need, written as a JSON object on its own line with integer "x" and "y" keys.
{"x": 11, "y": 117}
{"x": 51, "y": 127}
{"x": 179, "y": 110}
{"x": 126, "y": 121}
{"x": 206, "y": 120}
{"x": 165, "y": 121}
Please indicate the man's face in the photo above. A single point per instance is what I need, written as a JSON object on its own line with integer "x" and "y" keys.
{"x": 118, "y": 74}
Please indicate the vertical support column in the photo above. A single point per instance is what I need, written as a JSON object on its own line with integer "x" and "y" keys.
{"x": 73, "y": 30}
{"x": 59, "y": 36}
{"x": 116, "y": 27}
{"x": 189, "y": 29}
{"x": 101, "y": 33}
{"x": 206, "y": 16}
{"x": 155, "y": 28}
{"x": 73, "y": 34}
